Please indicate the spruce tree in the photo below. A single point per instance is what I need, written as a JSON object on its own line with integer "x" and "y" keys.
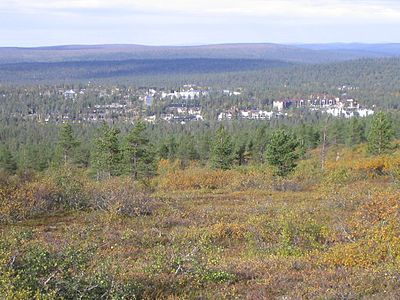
{"x": 187, "y": 148}
{"x": 139, "y": 153}
{"x": 67, "y": 142}
{"x": 35, "y": 157}
{"x": 381, "y": 134}
{"x": 191, "y": 149}
{"x": 7, "y": 161}
{"x": 169, "y": 149}
{"x": 240, "y": 152}
{"x": 336, "y": 133}
{"x": 355, "y": 133}
{"x": 106, "y": 156}
{"x": 282, "y": 152}
{"x": 205, "y": 144}
{"x": 260, "y": 144}
{"x": 222, "y": 150}
{"x": 312, "y": 137}
{"x": 249, "y": 153}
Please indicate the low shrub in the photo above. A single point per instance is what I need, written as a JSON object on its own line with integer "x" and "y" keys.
{"x": 61, "y": 190}
{"x": 286, "y": 185}
{"x": 71, "y": 184}
{"x": 296, "y": 238}
{"x": 69, "y": 189}
{"x": 36, "y": 272}
{"x": 194, "y": 179}
{"x": 375, "y": 235}
{"x": 120, "y": 196}
{"x": 227, "y": 232}
{"x": 248, "y": 178}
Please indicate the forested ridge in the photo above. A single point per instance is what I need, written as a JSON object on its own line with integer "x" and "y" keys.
{"x": 322, "y": 53}
{"x": 89, "y": 70}
{"x": 377, "y": 80}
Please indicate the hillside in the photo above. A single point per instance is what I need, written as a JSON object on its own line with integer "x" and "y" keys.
{"x": 206, "y": 234}
{"x": 89, "y": 70}
{"x": 374, "y": 81}
{"x": 301, "y": 53}
{"x": 369, "y": 50}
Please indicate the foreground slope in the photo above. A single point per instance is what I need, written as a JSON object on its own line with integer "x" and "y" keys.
{"x": 198, "y": 233}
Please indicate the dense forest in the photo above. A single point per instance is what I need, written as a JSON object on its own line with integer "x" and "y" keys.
{"x": 34, "y": 146}
{"x": 376, "y": 80}
{"x": 372, "y": 82}
{"x": 290, "y": 53}
{"x": 75, "y": 71}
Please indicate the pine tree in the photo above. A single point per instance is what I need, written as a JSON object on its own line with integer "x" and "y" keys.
{"x": 249, "y": 153}
{"x": 336, "y": 133}
{"x": 82, "y": 156}
{"x": 107, "y": 157}
{"x": 381, "y": 134}
{"x": 222, "y": 151}
{"x": 7, "y": 161}
{"x": 187, "y": 150}
{"x": 191, "y": 149}
{"x": 355, "y": 133}
{"x": 282, "y": 152}
{"x": 205, "y": 142}
{"x": 35, "y": 157}
{"x": 139, "y": 153}
{"x": 312, "y": 137}
{"x": 240, "y": 152}
{"x": 260, "y": 144}
{"x": 169, "y": 149}
{"x": 67, "y": 142}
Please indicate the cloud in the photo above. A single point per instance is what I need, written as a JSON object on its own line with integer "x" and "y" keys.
{"x": 332, "y": 9}
{"x": 196, "y": 22}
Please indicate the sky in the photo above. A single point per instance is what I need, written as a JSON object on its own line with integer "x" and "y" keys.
{"x": 194, "y": 22}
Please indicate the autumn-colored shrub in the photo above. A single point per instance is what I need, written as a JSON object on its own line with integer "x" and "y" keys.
{"x": 284, "y": 185}
{"x": 227, "y": 232}
{"x": 331, "y": 233}
{"x": 367, "y": 167}
{"x": 64, "y": 189}
{"x": 195, "y": 179}
{"x": 35, "y": 271}
{"x": 375, "y": 234}
{"x": 308, "y": 172}
{"x": 190, "y": 266}
{"x": 255, "y": 178}
{"x": 71, "y": 184}
{"x": 69, "y": 189}
{"x": 372, "y": 167}
{"x": 22, "y": 201}
{"x": 121, "y": 196}
{"x": 380, "y": 246}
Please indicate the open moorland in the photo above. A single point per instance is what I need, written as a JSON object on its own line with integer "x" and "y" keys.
{"x": 198, "y": 233}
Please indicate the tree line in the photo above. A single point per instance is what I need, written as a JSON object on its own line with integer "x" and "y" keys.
{"x": 114, "y": 151}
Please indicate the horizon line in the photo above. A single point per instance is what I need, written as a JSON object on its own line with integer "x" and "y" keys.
{"x": 200, "y": 44}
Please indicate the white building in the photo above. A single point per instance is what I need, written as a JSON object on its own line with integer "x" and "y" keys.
{"x": 70, "y": 94}
{"x": 278, "y": 105}
{"x": 365, "y": 112}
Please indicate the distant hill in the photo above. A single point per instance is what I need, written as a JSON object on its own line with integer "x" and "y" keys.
{"x": 315, "y": 53}
{"x": 368, "y": 50}
{"x": 88, "y": 70}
